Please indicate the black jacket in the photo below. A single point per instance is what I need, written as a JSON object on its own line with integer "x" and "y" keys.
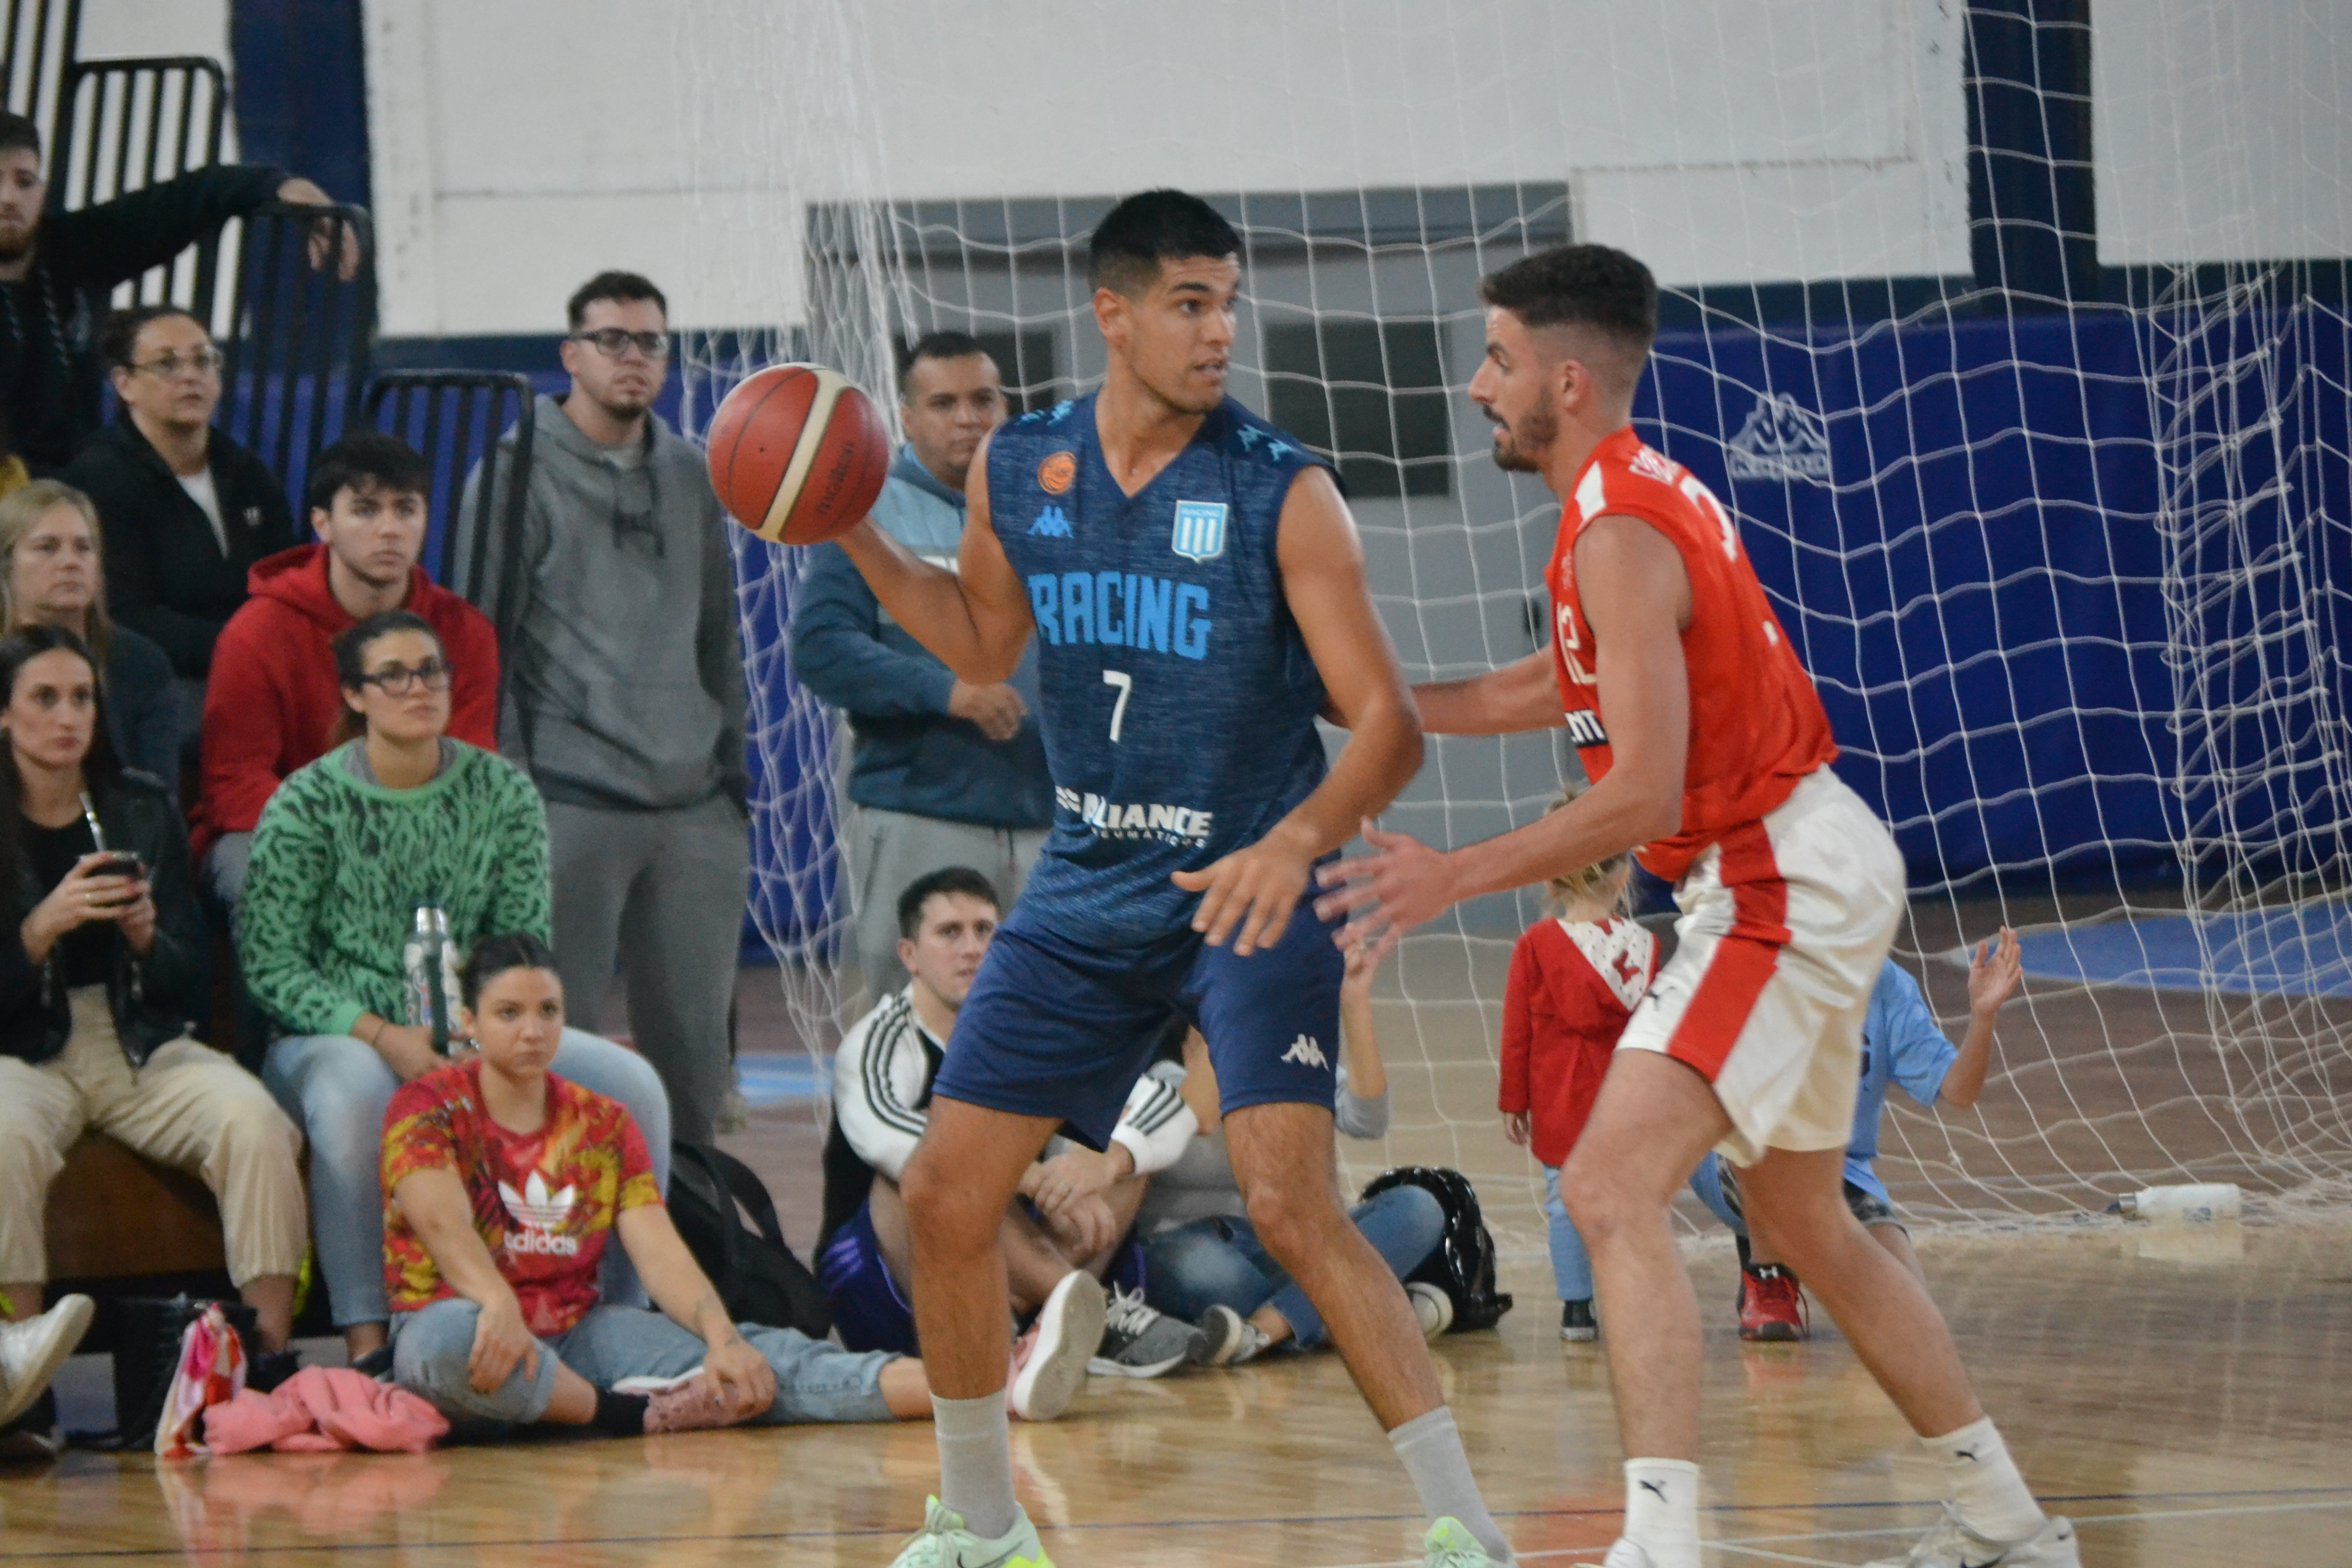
{"x": 155, "y": 999}
{"x": 50, "y": 378}
{"x": 165, "y": 575}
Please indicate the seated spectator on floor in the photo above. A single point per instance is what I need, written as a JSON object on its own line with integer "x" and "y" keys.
{"x": 506, "y": 1187}
{"x": 187, "y": 512}
{"x": 349, "y": 850}
{"x": 1202, "y": 1261}
{"x": 52, "y": 574}
{"x": 57, "y": 270}
{"x": 273, "y": 703}
{"x": 1059, "y": 1238}
{"x": 943, "y": 773}
{"x": 109, "y": 961}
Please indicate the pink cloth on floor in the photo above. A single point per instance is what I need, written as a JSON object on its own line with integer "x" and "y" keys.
{"x": 211, "y": 1370}
{"x": 320, "y": 1409}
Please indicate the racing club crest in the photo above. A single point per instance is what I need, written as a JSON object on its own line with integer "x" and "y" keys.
{"x": 1200, "y": 530}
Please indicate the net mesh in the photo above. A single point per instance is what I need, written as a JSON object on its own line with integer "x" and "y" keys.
{"x": 2068, "y": 562}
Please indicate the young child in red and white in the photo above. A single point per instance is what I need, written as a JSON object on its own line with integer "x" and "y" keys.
{"x": 1576, "y": 978}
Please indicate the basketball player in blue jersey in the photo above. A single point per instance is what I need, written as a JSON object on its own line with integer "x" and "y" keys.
{"x": 1197, "y": 592}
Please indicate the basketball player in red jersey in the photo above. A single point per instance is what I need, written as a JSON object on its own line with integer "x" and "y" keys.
{"x": 1708, "y": 750}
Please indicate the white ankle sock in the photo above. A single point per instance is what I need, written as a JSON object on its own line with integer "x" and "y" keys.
{"x": 1984, "y": 1484}
{"x": 976, "y": 1462}
{"x": 1661, "y": 1510}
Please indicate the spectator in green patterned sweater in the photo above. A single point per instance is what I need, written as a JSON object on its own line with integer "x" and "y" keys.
{"x": 348, "y": 849}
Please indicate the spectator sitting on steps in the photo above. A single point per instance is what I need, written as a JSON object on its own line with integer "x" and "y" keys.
{"x": 58, "y": 269}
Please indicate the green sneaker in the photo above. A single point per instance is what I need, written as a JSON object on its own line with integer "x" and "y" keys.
{"x": 1449, "y": 1545}
{"x": 944, "y": 1543}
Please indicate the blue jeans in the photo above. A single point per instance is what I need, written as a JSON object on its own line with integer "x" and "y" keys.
{"x": 338, "y": 1088}
{"x": 815, "y": 1381}
{"x": 1220, "y": 1262}
{"x": 1571, "y": 1265}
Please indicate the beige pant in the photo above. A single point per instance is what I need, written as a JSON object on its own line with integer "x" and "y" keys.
{"x": 190, "y": 1107}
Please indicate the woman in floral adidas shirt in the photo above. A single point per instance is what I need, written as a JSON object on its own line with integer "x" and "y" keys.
{"x": 504, "y": 1185}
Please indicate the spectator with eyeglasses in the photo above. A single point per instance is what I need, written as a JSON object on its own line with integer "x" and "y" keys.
{"x": 274, "y": 700}
{"x": 187, "y": 512}
{"x": 398, "y": 816}
{"x": 615, "y": 608}
{"x": 57, "y": 270}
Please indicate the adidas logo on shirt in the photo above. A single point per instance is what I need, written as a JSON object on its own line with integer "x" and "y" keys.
{"x": 539, "y": 1214}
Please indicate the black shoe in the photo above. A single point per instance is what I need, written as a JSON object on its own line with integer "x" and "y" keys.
{"x": 270, "y": 1368}
{"x": 377, "y": 1364}
{"x": 34, "y": 1436}
{"x": 1576, "y": 1324}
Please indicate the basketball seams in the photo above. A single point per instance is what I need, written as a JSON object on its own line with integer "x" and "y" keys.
{"x": 830, "y": 384}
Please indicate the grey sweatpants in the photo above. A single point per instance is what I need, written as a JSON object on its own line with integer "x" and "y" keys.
{"x": 659, "y": 895}
{"x": 888, "y": 849}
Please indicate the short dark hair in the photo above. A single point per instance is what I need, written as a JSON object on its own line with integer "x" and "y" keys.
{"x": 19, "y": 133}
{"x": 1580, "y": 286}
{"x": 365, "y": 458}
{"x": 118, "y": 337}
{"x": 952, "y": 879}
{"x": 494, "y": 955}
{"x": 1149, "y": 228}
{"x": 626, "y": 287}
{"x": 939, "y": 345}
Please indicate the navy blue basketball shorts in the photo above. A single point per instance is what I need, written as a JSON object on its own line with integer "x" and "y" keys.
{"x": 1055, "y": 1028}
{"x": 869, "y": 1307}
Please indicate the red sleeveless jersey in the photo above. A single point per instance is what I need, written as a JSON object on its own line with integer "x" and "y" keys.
{"x": 1757, "y": 727}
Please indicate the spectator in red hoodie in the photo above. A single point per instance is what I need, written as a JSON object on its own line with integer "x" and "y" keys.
{"x": 273, "y": 699}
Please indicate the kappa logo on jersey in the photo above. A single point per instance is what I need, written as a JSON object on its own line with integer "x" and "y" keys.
{"x": 1584, "y": 728}
{"x": 1169, "y": 823}
{"x": 1200, "y": 530}
{"x": 540, "y": 1213}
{"x": 1057, "y": 473}
{"x": 1052, "y": 523}
{"x": 1781, "y": 440}
{"x": 1275, "y": 450}
{"x": 1307, "y": 1052}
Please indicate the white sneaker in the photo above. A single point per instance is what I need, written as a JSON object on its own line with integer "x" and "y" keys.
{"x": 32, "y": 1351}
{"x": 1626, "y": 1554}
{"x": 1433, "y": 1306}
{"x": 1049, "y": 1366}
{"x": 1951, "y": 1545}
{"x": 944, "y": 1543}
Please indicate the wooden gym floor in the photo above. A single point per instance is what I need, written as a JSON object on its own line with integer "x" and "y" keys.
{"x": 2184, "y": 1396}
{"x": 2191, "y": 1408}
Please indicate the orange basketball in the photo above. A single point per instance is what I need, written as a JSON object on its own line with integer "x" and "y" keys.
{"x": 798, "y": 455}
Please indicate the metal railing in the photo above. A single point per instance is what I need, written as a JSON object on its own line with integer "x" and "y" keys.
{"x": 456, "y": 419}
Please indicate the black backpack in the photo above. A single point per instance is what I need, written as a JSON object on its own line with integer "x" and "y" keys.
{"x": 1464, "y": 1264}
{"x": 755, "y": 1274}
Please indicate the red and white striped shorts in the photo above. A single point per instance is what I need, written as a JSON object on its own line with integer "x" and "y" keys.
{"x": 1785, "y": 924}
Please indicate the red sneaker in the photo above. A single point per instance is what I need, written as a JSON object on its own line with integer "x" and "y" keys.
{"x": 1771, "y": 1305}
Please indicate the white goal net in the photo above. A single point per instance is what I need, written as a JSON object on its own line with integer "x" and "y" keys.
{"x": 2019, "y": 352}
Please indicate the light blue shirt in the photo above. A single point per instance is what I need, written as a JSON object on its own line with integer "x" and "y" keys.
{"x": 1900, "y": 1045}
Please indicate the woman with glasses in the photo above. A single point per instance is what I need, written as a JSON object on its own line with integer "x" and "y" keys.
{"x": 396, "y": 818}
{"x": 103, "y": 969}
{"x": 52, "y": 574}
{"x": 187, "y": 511}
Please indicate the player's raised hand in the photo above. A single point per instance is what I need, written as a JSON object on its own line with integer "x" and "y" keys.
{"x": 1402, "y": 884}
{"x": 1255, "y": 888}
{"x": 1994, "y": 970}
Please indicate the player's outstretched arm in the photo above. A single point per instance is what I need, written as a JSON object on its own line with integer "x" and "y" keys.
{"x": 975, "y": 619}
{"x": 1253, "y": 891}
{"x": 1994, "y": 970}
{"x": 1636, "y": 596}
{"x": 1521, "y": 696}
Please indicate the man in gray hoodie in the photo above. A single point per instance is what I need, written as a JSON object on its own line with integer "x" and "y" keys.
{"x": 623, "y": 700}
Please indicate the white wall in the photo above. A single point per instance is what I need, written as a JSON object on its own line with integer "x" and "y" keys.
{"x": 521, "y": 145}
{"x": 111, "y": 29}
{"x": 2221, "y": 128}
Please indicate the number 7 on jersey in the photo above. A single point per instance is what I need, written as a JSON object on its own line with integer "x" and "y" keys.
{"x": 1126, "y": 684}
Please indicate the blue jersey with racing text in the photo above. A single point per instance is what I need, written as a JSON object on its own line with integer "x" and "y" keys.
{"x": 1177, "y": 697}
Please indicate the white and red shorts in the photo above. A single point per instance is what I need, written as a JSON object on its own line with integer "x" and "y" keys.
{"x": 1785, "y": 924}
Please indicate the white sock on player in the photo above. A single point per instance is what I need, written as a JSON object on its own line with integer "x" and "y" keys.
{"x": 1983, "y": 1481}
{"x": 1661, "y": 1510}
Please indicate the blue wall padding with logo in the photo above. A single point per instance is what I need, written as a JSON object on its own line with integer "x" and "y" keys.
{"x": 1981, "y": 574}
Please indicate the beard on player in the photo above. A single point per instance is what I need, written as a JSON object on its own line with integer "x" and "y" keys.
{"x": 1520, "y": 447}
